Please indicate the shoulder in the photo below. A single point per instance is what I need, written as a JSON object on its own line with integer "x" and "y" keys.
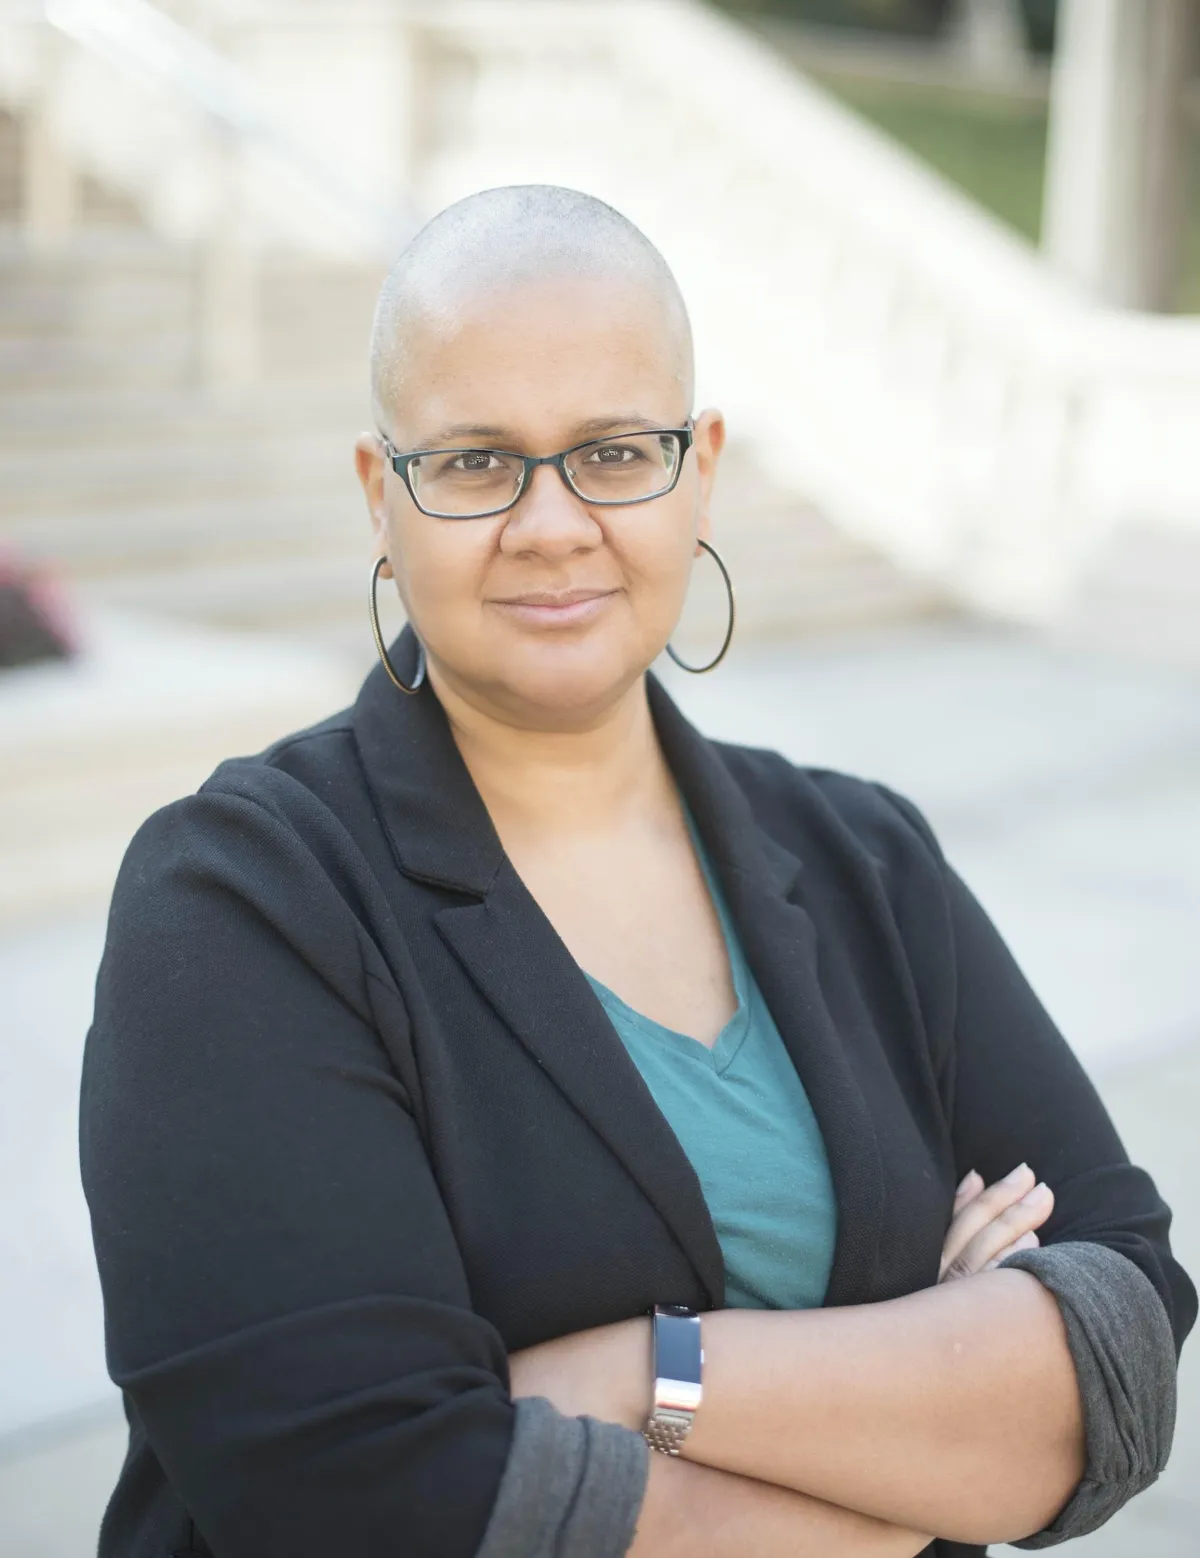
{"x": 313, "y": 768}
{"x": 806, "y": 809}
{"x": 873, "y": 879}
{"x": 267, "y": 827}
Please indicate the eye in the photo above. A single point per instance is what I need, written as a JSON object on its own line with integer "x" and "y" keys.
{"x": 475, "y": 460}
{"x": 613, "y": 454}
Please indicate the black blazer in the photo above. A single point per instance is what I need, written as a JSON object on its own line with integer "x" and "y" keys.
{"x": 354, "y": 1124}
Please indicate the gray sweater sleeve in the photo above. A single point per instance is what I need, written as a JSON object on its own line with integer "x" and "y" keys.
{"x": 572, "y": 1487}
{"x": 1124, "y": 1356}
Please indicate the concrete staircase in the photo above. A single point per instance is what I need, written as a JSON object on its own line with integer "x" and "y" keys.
{"x": 246, "y": 514}
{"x": 170, "y": 515}
{"x": 149, "y": 496}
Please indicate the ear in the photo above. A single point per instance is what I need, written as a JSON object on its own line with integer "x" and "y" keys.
{"x": 369, "y": 463}
{"x": 707, "y": 442}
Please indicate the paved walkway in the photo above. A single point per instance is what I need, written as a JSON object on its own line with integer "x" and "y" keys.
{"x": 1067, "y": 791}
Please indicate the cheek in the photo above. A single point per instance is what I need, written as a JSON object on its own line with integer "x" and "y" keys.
{"x": 440, "y": 564}
{"x": 656, "y": 550}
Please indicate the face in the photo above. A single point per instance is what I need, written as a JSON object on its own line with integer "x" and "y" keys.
{"x": 546, "y": 614}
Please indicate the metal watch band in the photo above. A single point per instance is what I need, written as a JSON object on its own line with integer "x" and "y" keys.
{"x": 666, "y": 1430}
{"x": 678, "y": 1361}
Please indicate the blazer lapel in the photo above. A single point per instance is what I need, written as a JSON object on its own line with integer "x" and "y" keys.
{"x": 441, "y": 833}
{"x": 517, "y": 961}
{"x": 781, "y": 946}
{"x": 763, "y": 883}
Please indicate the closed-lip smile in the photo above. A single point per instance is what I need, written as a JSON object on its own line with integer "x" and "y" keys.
{"x": 556, "y": 608}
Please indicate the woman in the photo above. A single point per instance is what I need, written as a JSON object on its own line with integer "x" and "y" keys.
{"x": 438, "y": 1045}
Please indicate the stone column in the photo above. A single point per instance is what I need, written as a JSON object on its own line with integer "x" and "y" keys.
{"x": 49, "y": 177}
{"x": 1116, "y": 158}
{"x": 229, "y": 314}
{"x": 989, "y": 36}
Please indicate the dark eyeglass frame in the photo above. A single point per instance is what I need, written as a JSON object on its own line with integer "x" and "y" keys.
{"x": 400, "y": 463}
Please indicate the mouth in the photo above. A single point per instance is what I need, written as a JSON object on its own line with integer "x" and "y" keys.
{"x": 556, "y": 608}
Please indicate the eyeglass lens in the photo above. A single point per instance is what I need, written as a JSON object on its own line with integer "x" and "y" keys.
{"x": 461, "y": 483}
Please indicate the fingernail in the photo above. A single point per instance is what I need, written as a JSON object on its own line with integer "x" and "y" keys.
{"x": 1037, "y": 1196}
{"x": 1017, "y": 1175}
{"x": 965, "y": 1181}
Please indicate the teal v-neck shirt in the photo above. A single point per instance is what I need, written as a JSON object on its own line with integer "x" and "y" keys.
{"x": 742, "y": 1116}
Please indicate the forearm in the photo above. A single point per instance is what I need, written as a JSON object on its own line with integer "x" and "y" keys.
{"x": 954, "y": 1410}
{"x": 580, "y": 1487}
{"x": 690, "y": 1509}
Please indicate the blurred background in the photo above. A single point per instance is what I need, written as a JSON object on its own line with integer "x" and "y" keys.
{"x": 941, "y": 256}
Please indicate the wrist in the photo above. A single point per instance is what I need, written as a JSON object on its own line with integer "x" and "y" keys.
{"x": 635, "y": 1369}
{"x": 677, "y": 1371}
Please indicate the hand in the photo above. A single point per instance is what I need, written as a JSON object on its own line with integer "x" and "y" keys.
{"x": 604, "y": 1372}
{"x": 990, "y": 1224}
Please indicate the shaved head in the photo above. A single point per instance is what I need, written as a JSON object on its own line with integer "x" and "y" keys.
{"x": 505, "y": 239}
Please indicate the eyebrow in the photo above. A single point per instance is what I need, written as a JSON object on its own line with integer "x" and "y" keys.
{"x": 504, "y": 436}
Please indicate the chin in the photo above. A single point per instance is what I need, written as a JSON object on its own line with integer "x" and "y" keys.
{"x": 566, "y": 684}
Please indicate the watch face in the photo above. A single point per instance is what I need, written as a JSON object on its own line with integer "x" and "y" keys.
{"x": 676, "y": 1347}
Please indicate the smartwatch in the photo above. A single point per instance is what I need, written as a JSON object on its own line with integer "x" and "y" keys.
{"x": 678, "y": 1358}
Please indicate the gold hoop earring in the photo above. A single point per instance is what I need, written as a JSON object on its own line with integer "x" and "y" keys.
{"x": 699, "y": 670}
{"x": 373, "y": 612}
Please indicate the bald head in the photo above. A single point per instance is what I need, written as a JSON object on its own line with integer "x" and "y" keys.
{"x": 504, "y": 239}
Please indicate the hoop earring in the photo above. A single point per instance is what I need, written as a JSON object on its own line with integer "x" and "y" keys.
{"x": 699, "y": 670}
{"x": 373, "y": 612}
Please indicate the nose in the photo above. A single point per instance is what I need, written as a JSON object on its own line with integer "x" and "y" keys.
{"x": 549, "y": 519}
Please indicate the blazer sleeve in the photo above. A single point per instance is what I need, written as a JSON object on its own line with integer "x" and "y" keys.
{"x": 1017, "y": 1093}
{"x": 285, "y": 1302}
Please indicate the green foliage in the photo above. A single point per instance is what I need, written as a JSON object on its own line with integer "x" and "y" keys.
{"x": 993, "y": 148}
{"x": 916, "y": 18}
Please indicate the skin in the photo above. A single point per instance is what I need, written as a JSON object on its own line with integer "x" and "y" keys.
{"x": 954, "y": 1411}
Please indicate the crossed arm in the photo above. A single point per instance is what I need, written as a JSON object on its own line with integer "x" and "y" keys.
{"x": 857, "y": 1432}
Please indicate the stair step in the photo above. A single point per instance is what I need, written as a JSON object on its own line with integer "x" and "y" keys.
{"x": 287, "y": 587}
{"x": 36, "y": 302}
{"x": 149, "y": 536}
{"x": 10, "y": 166}
{"x": 98, "y": 480}
{"x": 163, "y": 358}
{"x": 91, "y": 256}
{"x": 129, "y": 418}
{"x": 74, "y": 316}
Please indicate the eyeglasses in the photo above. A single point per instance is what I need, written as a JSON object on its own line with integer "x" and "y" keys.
{"x": 476, "y": 483}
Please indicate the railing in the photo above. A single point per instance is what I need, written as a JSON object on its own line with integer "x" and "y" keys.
{"x": 893, "y": 351}
{"x": 141, "y": 42}
{"x": 117, "y": 89}
{"x": 140, "y": 78}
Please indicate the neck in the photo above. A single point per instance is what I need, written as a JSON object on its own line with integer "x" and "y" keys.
{"x": 551, "y": 782}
